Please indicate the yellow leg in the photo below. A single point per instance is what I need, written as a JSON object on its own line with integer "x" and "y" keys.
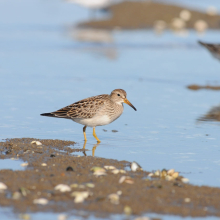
{"x": 94, "y": 134}
{"x": 84, "y": 132}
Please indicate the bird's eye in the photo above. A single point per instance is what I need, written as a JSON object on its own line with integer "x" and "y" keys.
{"x": 118, "y": 94}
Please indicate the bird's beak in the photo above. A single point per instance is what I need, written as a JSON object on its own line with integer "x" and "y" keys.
{"x": 127, "y": 102}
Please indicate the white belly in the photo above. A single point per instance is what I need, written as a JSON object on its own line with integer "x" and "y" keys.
{"x": 95, "y": 121}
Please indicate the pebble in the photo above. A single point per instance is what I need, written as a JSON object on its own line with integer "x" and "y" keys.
{"x": 24, "y": 216}
{"x": 41, "y": 201}
{"x": 62, "y": 188}
{"x": 74, "y": 185}
{"x": 69, "y": 168}
{"x": 187, "y": 200}
{"x": 119, "y": 192}
{"x": 16, "y": 195}
{"x": 127, "y": 210}
{"x": 44, "y": 164}
{"x": 90, "y": 185}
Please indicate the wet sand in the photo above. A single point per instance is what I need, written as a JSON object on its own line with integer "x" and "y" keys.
{"x": 198, "y": 87}
{"x": 56, "y": 162}
{"x": 139, "y": 15}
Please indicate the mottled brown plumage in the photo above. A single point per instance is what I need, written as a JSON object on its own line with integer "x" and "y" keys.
{"x": 214, "y": 49}
{"x": 94, "y": 111}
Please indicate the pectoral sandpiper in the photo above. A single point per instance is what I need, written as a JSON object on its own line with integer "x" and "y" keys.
{"x": 94, "y": 111}
{"x": 214, "y": 49}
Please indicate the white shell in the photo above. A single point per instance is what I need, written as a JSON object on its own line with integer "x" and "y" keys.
{"x": 200, "y": 25}
{"x": 62, "y": 217}
{"x": 135, "y": 166}
{"x": 41, "y": 201}
{"x": 44, "y": 164}
{"x": 122, "y": 179}
{"x": 24, "y": 164}
{"x": 185, "y": 180}
{"x": 212, "y": 10}
{"x": 36, "y": 142}
{"x": 3, "y": 186}
{"x": 109, "y": 167}
{"x": 62, "y": 188}
{"x": 80, "y": 196}
{"x": 170, "y": 172}
{"x": 114, "y": 198}
{"x": 185, "y": 15}
{"x": 115, "y": 171}
{"x": 187, "y": 200}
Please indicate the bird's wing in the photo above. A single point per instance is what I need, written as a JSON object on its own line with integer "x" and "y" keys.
{"x": 85, "y": 108}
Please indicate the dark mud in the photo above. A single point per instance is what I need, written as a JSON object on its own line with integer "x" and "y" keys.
{"x": 198, "y": 87}
{"x": 138, "y": 15}
{"x": 54, "y": 163}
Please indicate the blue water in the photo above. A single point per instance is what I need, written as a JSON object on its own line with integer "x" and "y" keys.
{"x": 44, "y": 67}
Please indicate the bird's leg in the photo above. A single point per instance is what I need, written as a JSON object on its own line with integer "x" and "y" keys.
{"x": 84, "y": 132}
{"x": 94, "y": 134}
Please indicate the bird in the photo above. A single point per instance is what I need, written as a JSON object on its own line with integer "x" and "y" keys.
{"x": 94, "y": 111}
{"x": 94, "y": 5}
{"x": 214, "y": 49}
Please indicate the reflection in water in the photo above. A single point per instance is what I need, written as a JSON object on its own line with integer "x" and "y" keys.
{"x": 93, "y": 149}
{"x": 96, "y": 37}
{"x": 212, "y": 115}
{"x": 214, "y": 49}
{"x": 92, "y": 35}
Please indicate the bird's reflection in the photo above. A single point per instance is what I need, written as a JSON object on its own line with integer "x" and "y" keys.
{"x": 212, "y": 115}
{"x": 97, "y": 41}
{"x": 93, "y": 149}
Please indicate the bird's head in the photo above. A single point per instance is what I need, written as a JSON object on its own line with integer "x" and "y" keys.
{"x": 119, "y": 96}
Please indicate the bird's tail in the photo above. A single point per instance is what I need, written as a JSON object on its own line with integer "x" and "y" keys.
{"x": 200, "y": 42}
{"x": 48, "y": 114}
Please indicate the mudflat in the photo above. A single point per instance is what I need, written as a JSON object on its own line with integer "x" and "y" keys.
{"x": 144, "y": 14}
{"x": 98, "y": 185}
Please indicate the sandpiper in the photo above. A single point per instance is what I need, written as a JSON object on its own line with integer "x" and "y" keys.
{"x": 94, "y": 111}
{"x": 214, "y": 49}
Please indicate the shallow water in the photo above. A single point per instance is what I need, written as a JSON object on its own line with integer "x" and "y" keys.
{"x": 11, "y": 164}
{"x": 43, "y": 68}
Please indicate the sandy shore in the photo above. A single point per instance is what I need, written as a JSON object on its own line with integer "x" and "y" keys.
{"x": 56, "y": 162}
{"x": 139, "y": 15}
